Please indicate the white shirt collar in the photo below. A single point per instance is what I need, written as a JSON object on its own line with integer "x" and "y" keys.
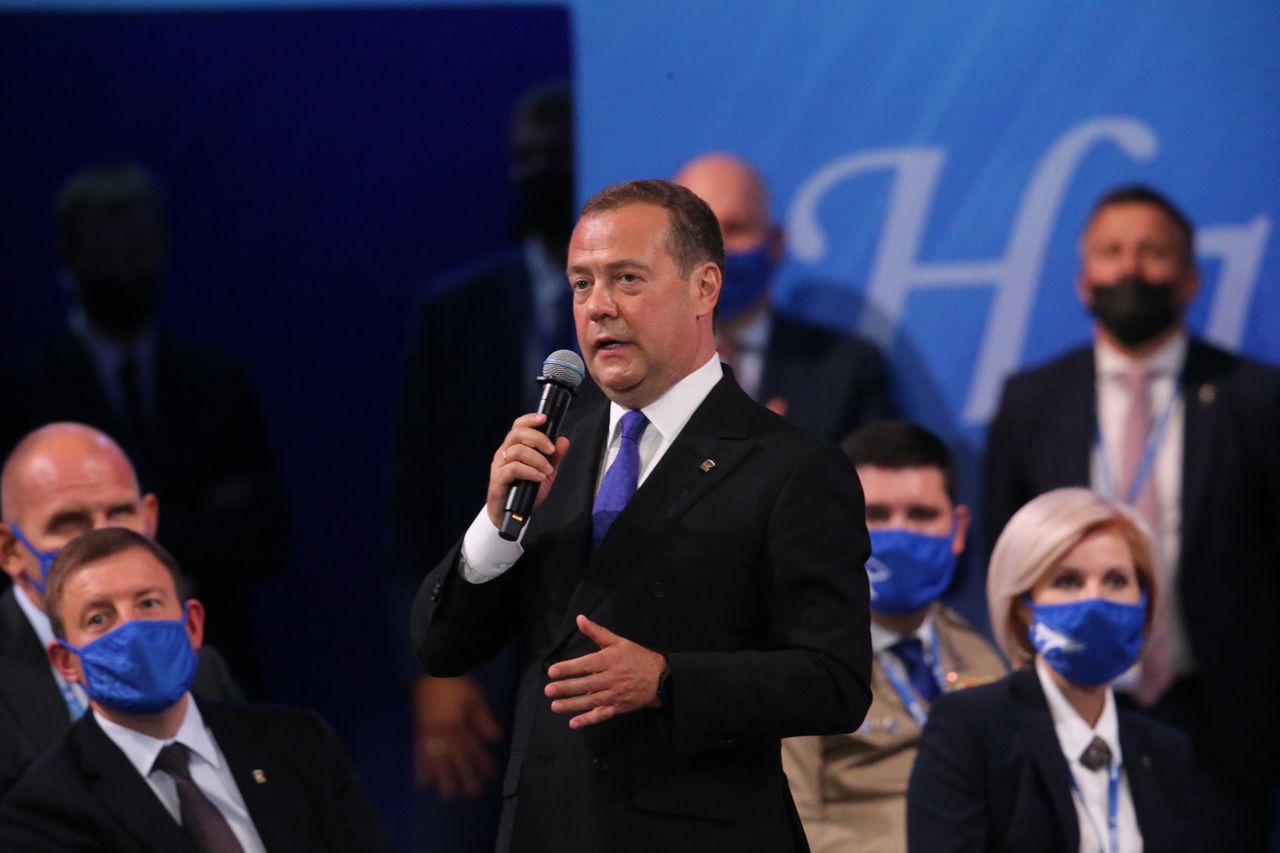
{"x": 142, "y": 749}
{"x": 669, "y": 413}
{"x": 107, "y": 353}
{"x": 1166, "y": 361}
{"x": 38, "y": 618}
{"x": 1074, "y": 734}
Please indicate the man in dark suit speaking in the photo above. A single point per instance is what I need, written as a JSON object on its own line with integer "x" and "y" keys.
{"x": 150, "y": 769}
{"x": 691, "y": 587}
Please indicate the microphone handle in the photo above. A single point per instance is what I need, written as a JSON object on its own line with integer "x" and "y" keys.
{"x": 520, "y": 497}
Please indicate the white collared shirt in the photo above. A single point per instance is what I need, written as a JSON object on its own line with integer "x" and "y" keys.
{"x": 1113, "y": 402}
{"x": 486, "y": 555}
{"x": 44, "y": 633}
{"x": 1091, "y": 791}
{"x": 209, "y": 770}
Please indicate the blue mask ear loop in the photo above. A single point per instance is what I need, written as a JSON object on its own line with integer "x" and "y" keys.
{"x": 45, "y": 558}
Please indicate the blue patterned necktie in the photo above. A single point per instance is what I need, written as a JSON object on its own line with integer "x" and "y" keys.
{"x": 911, "y": 652}
{"x": 619, "y": 482}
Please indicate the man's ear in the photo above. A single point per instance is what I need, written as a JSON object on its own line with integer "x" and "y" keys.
{"x": 150, "y": 515}
{"x": 10, "y": 559}
{"x": 961, "y": 534}
{"x": 195, "y": 622}
{"x": 708, "y": 279}
{"x": 65, "y": 662}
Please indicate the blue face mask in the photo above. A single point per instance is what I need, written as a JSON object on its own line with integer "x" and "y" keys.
{"x": 746, "y": 279}
{"x": 142, "y": 667}
{"x": 1088, "y": 642}
{"x": 908, "y": 570}
{"x": 45, "y": 559}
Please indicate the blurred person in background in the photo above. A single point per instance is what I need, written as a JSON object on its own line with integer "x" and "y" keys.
{"x": 482, "y": 336}
{"x": 188, "y": 419}
{"x": 1045, "y": 759}
{"x": 822, "y": 380}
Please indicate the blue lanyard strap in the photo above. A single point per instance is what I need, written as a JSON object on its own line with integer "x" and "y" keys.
{"x": 904, "y": 691}
{"x": 1155, "y": 437}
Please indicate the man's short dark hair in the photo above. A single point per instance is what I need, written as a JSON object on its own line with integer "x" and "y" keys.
{"x": 90, "y": 548}
{"x": 902, "y": 444}
{"x": 104, "y": 191}
{"x": 1143, "y": 194}
{"x": 693, "y": 232}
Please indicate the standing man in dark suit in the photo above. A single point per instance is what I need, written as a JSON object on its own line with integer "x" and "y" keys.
{"x": 190, "y": 420}
{"x": 822, "y": 380}
{"x": 60, "y": 481}
{"x": 674, "y": 636}
{"x": 1186, "y": 432}
{"x": 150, "y": 769}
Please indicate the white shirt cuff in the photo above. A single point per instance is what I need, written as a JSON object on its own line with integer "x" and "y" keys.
{"x": 485, "y": 554}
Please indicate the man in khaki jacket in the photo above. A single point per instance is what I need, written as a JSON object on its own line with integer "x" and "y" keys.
{"x": 851, "y": 789}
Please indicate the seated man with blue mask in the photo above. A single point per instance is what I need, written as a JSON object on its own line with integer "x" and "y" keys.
{"x": 60, "y": 481}
{"x": 821, "y": 379}
{"x": 152, "y": 769}
{"x": 850, "y": 790}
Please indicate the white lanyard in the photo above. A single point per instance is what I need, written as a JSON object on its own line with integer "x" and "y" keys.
{"x": 1113, "y": 809}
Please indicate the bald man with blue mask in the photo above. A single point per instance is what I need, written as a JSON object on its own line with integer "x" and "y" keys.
{"x": 850, "y": 789}
{"x": 61, "y": 481}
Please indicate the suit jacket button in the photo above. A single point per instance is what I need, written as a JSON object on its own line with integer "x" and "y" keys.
{"x": 436, "y": 590}
{"x": 601, "y": 765}
{"x": 659, "y": 589}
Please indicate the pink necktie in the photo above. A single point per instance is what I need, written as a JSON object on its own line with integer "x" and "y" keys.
{"x": 1157, "y": 658}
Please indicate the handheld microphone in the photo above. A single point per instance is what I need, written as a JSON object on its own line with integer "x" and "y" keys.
{"x": 562, "y": 373}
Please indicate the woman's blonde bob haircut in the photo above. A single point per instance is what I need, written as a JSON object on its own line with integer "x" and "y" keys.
{"x": 1034, "y": 542}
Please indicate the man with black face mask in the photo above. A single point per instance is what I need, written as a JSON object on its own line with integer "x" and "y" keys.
{"x": 1186, "y": 433}
{"x": 189, "y": 419}
{"x": 482, "y": 336}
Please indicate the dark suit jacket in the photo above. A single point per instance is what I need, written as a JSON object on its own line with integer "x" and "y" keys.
{"x": 990, "y": 775}
{"x": 207, "y": 458}
{"x": 748, "y": 576}
{"x": 833, "y": 382}
{"x": 1041, "y": 439}
{"x": 33, "y": 713}
{"x": 84, "y": 795}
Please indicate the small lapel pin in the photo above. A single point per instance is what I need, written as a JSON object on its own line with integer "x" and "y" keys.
{"x": 260, "y": 777}
{"x": 706, "y": 465}
{"x": 1207, "y": 393}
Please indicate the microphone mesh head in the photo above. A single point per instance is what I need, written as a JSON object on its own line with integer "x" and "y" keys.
{"x": 565, "y": 366}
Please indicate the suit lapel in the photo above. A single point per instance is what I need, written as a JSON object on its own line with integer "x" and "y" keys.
{"x": 1144, "y": 786}
{"x": 1041, "y": 743}
{"x": 123, "y": 791}
{"x": 254, "y": 770}
{"x": 26, "y": 682}
{"x": 675, "y": 484}
{"x": 1201, "y": 412}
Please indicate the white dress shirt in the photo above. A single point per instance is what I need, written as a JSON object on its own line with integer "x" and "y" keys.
{"x": 44, "y": 633}
{"x": 486, "y": 555}
{"x": 1113, "y": 402}
{"x": 1091, "y": 790}
{"x": 209, "y": 770}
